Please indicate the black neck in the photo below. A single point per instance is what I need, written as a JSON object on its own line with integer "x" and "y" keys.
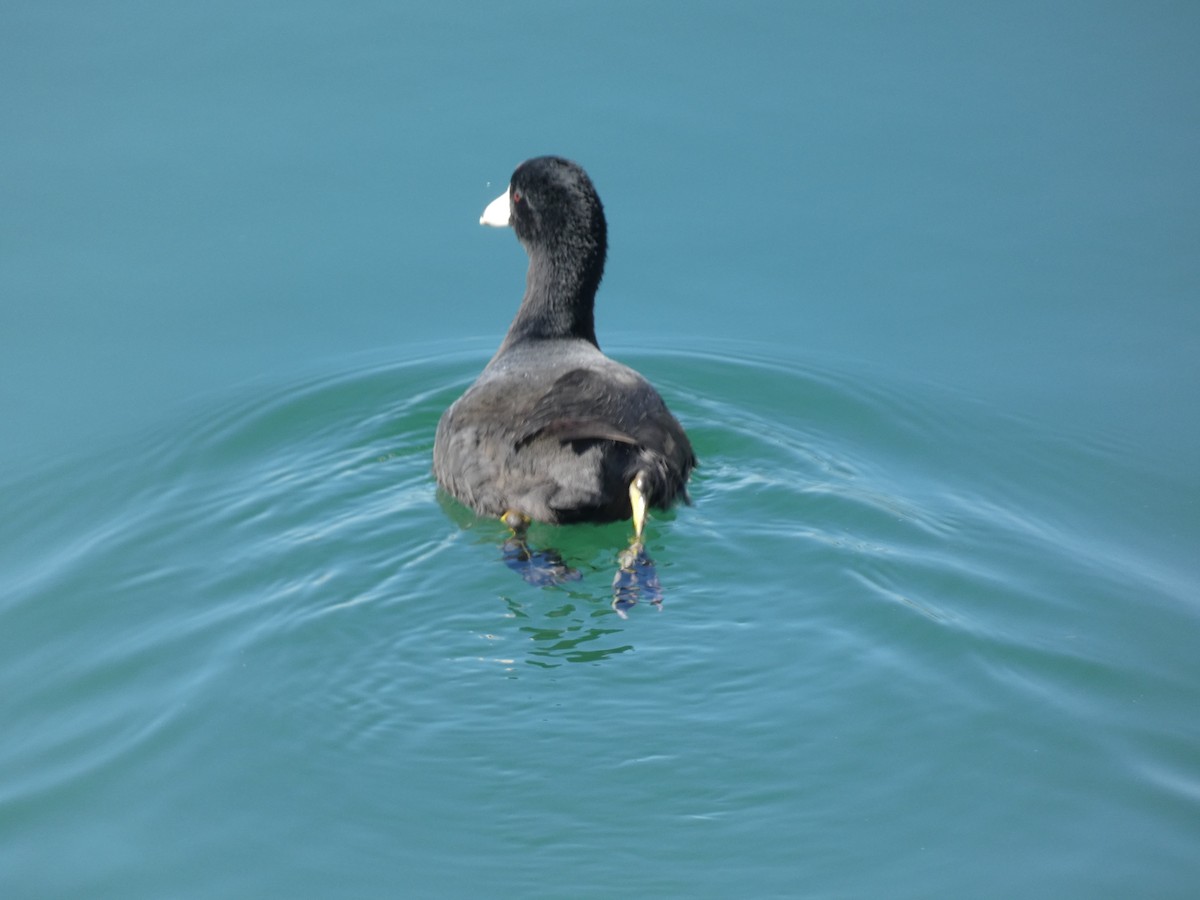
{"x": 559, "y": 298}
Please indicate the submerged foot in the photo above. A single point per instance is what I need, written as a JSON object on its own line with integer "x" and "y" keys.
{"x": 537, "y": 567}
{"x": 636, "y": 579}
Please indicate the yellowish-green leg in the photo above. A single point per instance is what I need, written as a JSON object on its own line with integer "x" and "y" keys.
{"x": 518, "y": 522}
{"x": 636, "y": 579}
{"x": 637, "y": 500}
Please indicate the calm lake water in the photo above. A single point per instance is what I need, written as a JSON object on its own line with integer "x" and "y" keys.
{"x": 921, "y": 282}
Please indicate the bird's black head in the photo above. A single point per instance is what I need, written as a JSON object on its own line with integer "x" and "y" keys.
{"x": 556, "y": 211}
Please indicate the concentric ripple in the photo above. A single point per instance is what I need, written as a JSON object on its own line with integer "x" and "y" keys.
{"x": 280, "y": 565}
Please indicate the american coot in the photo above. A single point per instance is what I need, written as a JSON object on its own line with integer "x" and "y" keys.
{"x": 553, "y": 430}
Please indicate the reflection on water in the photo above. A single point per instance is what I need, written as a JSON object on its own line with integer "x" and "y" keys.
{"x": 572, "y": 632}
{"x": 286, "y": 559}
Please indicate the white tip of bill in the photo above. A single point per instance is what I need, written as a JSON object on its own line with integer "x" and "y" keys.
{"x": 498, "y": 212}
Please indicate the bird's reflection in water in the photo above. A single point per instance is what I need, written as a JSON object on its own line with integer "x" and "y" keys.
{"x": 572, "y": 632}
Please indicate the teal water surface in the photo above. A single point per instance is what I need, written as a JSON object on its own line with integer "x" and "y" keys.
{"x": 288, "y": 667}
{"x": 919, "y": 280}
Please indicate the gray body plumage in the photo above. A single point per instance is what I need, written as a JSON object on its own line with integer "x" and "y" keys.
{"x": 553, "y": 429}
